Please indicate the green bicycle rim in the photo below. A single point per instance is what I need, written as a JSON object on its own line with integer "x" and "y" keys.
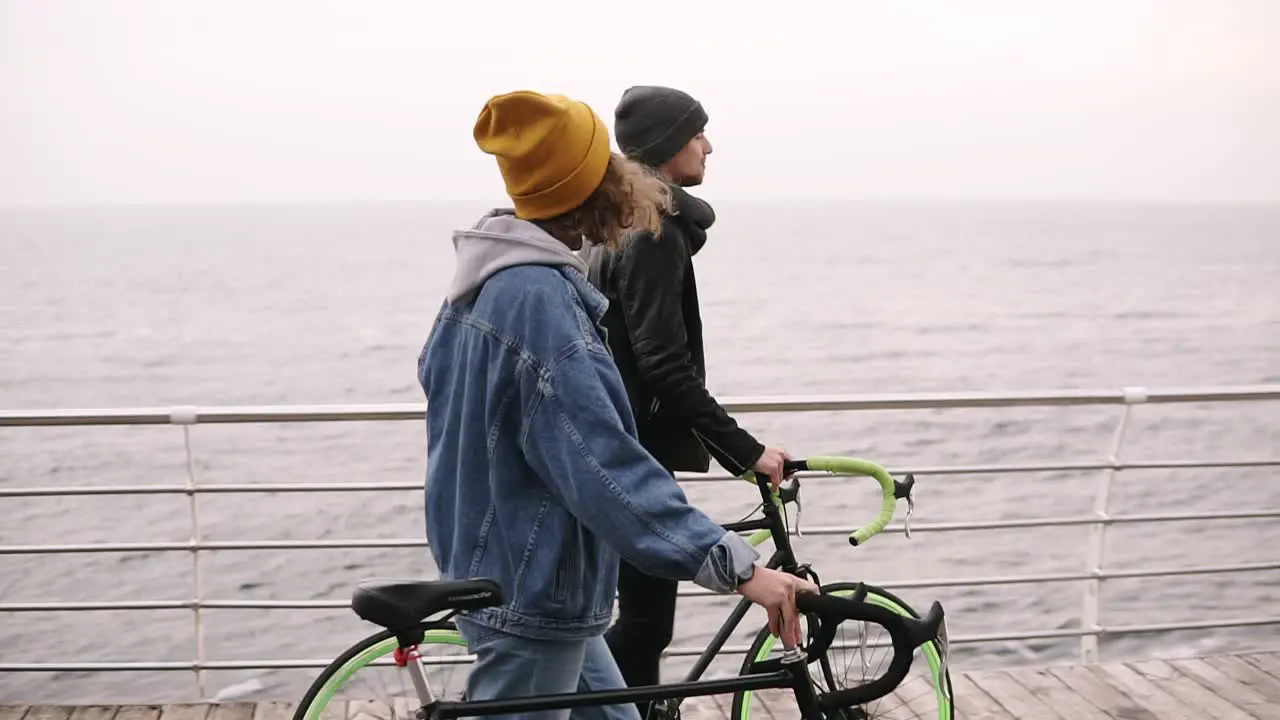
{"x": 878, "y": 597}
{"x": 360, "y": 656}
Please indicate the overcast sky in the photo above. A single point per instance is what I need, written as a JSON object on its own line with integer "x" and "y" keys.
{"x": 172, "y": 101}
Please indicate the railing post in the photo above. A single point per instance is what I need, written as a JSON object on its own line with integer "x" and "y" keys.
{"x": 186, "y": 417}
{"x": 1090, "y": 617}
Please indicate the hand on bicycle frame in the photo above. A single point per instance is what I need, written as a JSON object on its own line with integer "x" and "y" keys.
{"x": 776, "y": 592}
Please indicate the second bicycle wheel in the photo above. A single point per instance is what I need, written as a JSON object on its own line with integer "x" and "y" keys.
{"x": 365, "y": 682}
{"x": 865, "y": 650}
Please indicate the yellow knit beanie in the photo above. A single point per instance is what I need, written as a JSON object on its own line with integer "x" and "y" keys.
{"x": 552, "y": 151}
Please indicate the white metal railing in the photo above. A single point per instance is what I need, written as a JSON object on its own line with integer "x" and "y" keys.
{"x": 1092, "y": 575}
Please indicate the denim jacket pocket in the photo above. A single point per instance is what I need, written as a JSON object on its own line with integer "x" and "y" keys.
{"x": 567, "y": 584}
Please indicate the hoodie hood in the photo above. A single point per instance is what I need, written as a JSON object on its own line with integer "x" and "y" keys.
{"x": 501, "y": 240}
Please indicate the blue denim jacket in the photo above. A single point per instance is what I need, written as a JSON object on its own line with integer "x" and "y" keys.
{"x": 534, "y": 474}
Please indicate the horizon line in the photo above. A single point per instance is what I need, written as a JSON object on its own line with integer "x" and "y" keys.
{"x": 865, "y": 200}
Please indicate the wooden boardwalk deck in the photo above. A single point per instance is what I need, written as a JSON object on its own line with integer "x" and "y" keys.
{"x": 1224, "y": 687}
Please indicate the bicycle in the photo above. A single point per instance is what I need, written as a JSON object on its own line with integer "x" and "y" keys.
{"x": 403, "y": 608}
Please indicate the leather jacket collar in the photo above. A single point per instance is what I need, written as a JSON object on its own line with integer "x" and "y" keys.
{"x": 694, "y": 215}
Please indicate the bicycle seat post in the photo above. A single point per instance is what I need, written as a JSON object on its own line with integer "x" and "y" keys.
{"x": 413, "y": 663}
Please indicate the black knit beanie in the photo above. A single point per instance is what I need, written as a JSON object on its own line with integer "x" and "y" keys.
{"x": 653, "y": 123}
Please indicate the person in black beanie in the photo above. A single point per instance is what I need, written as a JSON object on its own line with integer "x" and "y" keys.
{"x": 655, "y": 334}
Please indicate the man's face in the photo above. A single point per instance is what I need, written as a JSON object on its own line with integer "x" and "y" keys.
{"x": 690, "y": 164}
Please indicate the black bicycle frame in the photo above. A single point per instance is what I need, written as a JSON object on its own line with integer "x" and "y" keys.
{"x": 793, "y": 674}
{"x": 795, "y": 678}
{"x": 783, "y": 558}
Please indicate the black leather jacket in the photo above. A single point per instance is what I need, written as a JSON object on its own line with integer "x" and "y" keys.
{"x": 655, "y": 334}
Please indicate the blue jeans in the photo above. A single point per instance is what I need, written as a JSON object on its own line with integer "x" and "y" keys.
{"x": 509, "y": 666}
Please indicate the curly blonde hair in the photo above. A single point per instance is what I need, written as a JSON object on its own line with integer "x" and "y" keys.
{"x": 631, "y": 198}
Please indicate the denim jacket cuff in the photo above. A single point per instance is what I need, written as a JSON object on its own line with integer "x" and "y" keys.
{"x": 729, "y": 558}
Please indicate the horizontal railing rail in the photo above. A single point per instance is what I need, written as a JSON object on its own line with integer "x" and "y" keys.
{"x": 975, "y": 581}
{"x": 194, "y": 415}
{"x": 306, "y": 487}
{"x": 1092, "y": 574}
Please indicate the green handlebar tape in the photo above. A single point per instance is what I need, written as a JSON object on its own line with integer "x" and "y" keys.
{"x": 855, "y": 466}
{"x": 858, "y": 466}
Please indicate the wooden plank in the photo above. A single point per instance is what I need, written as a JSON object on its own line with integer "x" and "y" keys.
{"x": 718, "y": 706}
{"x": 279, "y": 710}
{"x": 1013, "y": 697}
{"x": 138, "y": 712}
{"x": 94, "y": 712}
{"x": 1253, "y": 678}
{"x": 696, "y": 708}
{"x": 1057, "y": 694}
{"x": 1268, "y": 663}
{"x": 973, "y": 703}
{"x": 404, "y": 707}
{"x": 48, "y": 712}
{"x": 368, "y": 710}
{"x": 1223, "y": 687}
{"x": 182, "y": 711}
{"x": 711, "y": 707}
{"x": 773, "y": 704}
{"x": 1228, "y": 688}
{"x": 233, "y": 711}
{"x": 778, "y": 703}
{"x": 239, "y": 710}
{"x": 914, "y": 698}
{"x": 1100, "y": 693}
{"x": 1144, "y": 692}
{"x": 398, "y": 707}
{"x": 891, "y": 706}
{"x": 335, "y": 710}
{"x": 1188, "y": 690}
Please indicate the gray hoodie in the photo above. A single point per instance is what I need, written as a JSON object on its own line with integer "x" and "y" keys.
{"x": 502, "y": 240}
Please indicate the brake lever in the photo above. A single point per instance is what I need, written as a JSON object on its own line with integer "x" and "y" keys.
{"x": 799, "y": 511}
{"x": 791, "y": 493}
{"x": 906, "y": 490}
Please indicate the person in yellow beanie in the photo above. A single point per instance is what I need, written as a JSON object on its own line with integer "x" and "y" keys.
{"x": 535, "y": 476}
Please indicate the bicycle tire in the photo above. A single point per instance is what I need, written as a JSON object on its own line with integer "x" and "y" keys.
{"x": 359, "y": 655}
{"x": 764, "y": 642}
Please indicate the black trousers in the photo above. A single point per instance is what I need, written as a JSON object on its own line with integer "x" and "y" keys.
{"x": 646, "y": 616}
